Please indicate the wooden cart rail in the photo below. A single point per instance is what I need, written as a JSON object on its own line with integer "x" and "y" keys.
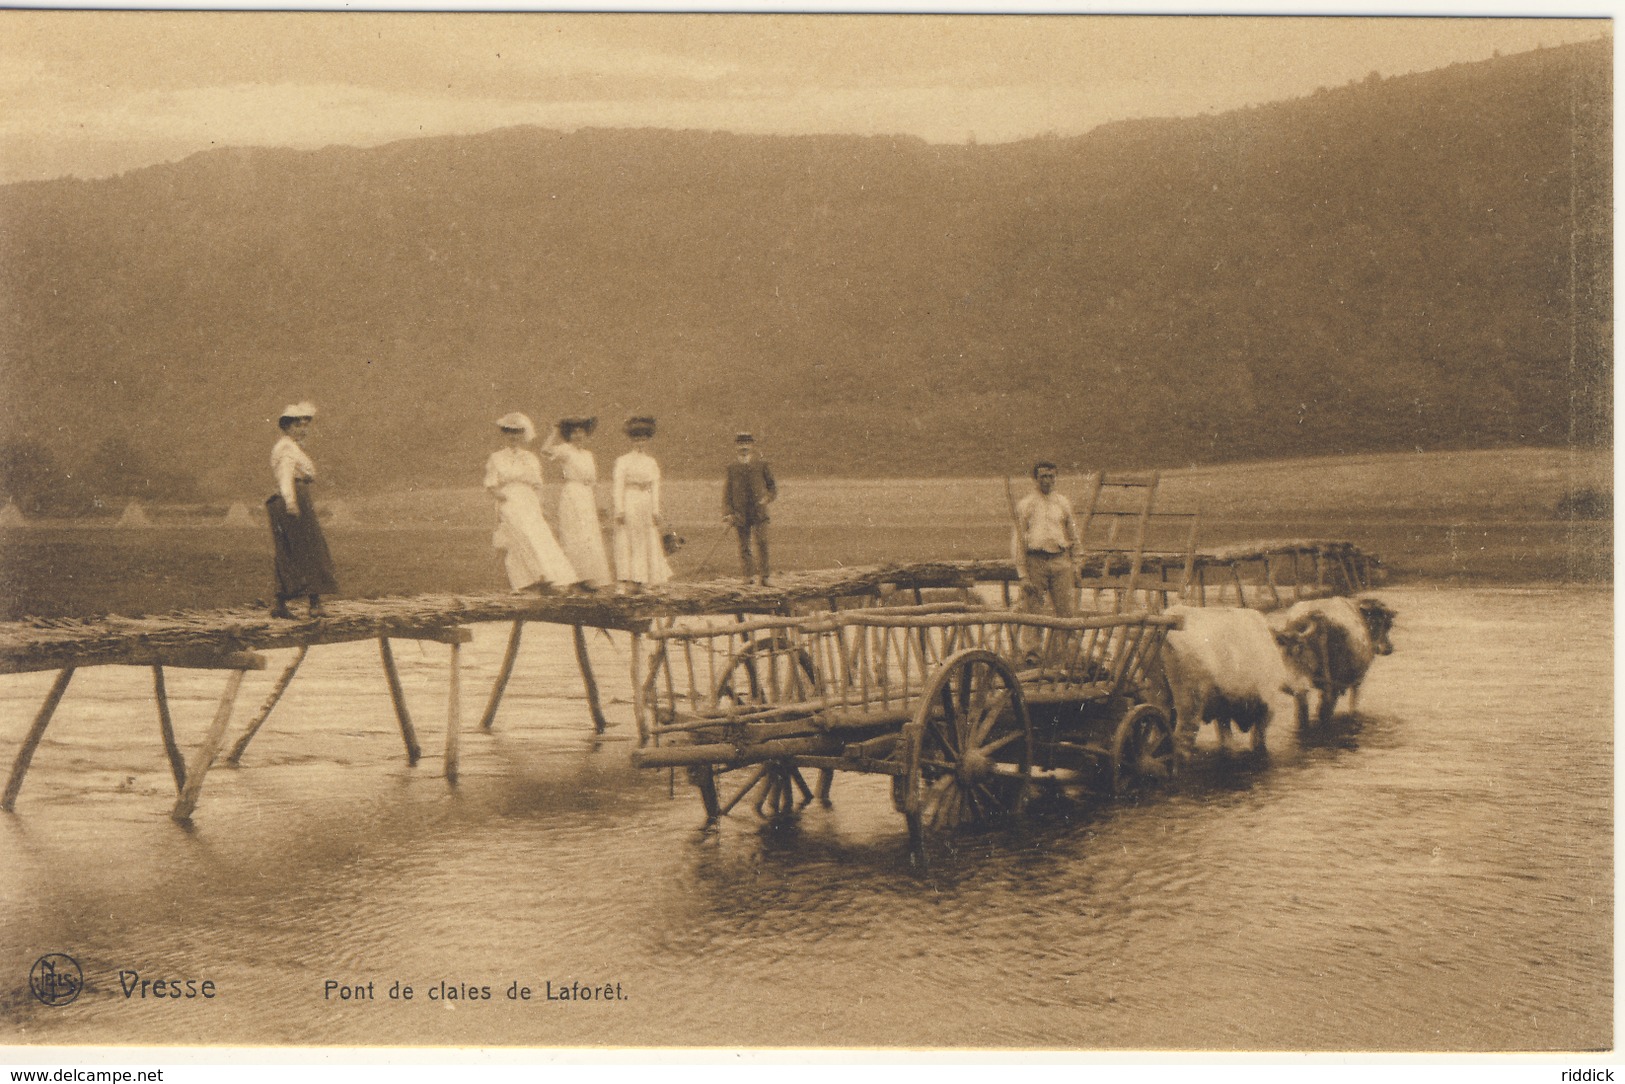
{"x": 865, "y": 669}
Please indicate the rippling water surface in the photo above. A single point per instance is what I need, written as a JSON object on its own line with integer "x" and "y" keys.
{"x": 1433, "y": 872}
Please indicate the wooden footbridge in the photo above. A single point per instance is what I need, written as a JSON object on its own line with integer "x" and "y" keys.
{"x": 1263, "y": 575}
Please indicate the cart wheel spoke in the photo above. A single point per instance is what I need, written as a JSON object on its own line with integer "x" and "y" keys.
{"x": 989, "y": 715}
{"x": 994, "y": 746}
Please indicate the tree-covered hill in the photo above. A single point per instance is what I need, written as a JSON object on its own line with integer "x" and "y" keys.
{"x": 1404, "y": 263}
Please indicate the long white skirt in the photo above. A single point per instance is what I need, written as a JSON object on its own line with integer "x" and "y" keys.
{"x": 529, "y": 551}
{"x": 639, "y": 556}
{"x": 580, "y": 535}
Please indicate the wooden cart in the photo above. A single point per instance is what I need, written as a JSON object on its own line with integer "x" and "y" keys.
{"x": 969, "y": 711}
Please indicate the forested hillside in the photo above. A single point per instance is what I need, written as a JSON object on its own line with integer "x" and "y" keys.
{"x": 1405, "y": 263}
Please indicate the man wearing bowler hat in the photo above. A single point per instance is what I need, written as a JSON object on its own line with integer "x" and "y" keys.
{"x": 745, "y": 497}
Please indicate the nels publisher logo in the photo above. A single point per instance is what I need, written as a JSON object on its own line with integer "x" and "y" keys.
{"x": 55, "y": 979}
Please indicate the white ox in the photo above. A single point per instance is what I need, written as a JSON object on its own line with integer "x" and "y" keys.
{"x": 1336, "y": 639}
{"x": 1225, "y": 666}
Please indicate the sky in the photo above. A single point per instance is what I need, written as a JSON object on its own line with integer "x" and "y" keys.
{"x": 94, "y": 93}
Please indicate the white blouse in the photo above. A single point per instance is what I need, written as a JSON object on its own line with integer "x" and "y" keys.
{"x": 510, "y": 465}
{"x": 637, "y": 470}
{"x": 578, "y": 463}
{"x": 288, "y": 463}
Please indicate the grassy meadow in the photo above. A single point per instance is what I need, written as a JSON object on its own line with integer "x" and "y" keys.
{"x": 1482, "y": 517}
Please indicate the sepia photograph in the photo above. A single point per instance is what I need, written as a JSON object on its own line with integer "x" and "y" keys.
{"x": 918, "y": 533}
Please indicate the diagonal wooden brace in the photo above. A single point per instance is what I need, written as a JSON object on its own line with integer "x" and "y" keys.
{"x": 203, "y": 759}
{"x": 19, "y": 768}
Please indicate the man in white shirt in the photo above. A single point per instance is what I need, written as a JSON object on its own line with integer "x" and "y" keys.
{"x": 1045, "y": 545}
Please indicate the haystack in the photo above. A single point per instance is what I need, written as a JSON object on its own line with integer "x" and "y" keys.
{"x": 238, "y": 515}
{"x": 12, "y": 516}
{"x": 133, "y": 516}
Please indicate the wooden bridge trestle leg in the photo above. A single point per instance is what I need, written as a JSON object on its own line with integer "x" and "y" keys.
{"x": 166, "y": 727}
{"x": 454, "y": 711}
{"x": 398, "y": 695}
{"x": 203, "y": 759}
{"x": 282, "y": 683}
{"x": 503, "y": 675}
{"x": 599, "y": 723}
{"x": 19, "y": 768}
{"x": 638, "y": 705}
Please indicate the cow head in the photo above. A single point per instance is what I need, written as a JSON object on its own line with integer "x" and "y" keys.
{"x": 1379, "y": 618}
{"x": 1303, "y": 649}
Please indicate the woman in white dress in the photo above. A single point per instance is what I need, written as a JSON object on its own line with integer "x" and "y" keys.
{"x": 513, "y": 475}
{"x": 639, "y": 557}
{"x": 579, "y": 532}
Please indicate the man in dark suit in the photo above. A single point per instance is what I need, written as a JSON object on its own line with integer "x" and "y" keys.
{"x": 745, "y": 497}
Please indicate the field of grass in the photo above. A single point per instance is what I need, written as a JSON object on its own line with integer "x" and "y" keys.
{"x": 1463, "y": 517}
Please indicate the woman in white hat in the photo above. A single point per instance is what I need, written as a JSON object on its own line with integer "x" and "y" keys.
{"x": 639, "y": 556}
{"x": 513, "y": 475}
{"x": 304, "y": 567}
{"x": 579, "y": 531}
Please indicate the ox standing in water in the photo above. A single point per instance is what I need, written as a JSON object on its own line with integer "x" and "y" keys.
{"x": 1337, "y": 639}
{"x": 1225, "y": 666}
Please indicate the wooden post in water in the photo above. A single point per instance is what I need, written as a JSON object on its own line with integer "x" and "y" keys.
{"x": 454, "y": 711}
{"x": 599, "y": 723}
{"x": 19, "y": 767}
{"x": 166, "y": 727}
{"x": 398, "y": 695}
{"x": 203, "y": 759}
{"x": 638, "y": 705}
{"x": 503, "y": 675}
{"x": 282, "y": 683}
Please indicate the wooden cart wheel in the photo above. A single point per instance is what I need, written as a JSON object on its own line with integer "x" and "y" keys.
{"x": 1143, "y": 749}
{"x": 969, "y": 748}
{"x": 777, "y": 789}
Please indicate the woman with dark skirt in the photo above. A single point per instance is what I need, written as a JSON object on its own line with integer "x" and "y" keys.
{"x": 304, "y": 567}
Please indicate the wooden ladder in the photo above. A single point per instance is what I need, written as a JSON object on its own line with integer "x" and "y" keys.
{"x": 1139, "y": 508}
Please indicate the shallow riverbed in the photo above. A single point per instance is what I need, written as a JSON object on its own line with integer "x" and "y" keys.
{"x": 1431, "y": 873}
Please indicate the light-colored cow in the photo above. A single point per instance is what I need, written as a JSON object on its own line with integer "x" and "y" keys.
{"x": 1224, "y": 666}
{"x": 1336, "y": 640}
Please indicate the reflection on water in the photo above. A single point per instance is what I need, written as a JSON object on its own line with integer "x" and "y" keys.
{"x": 1433, "y": 872}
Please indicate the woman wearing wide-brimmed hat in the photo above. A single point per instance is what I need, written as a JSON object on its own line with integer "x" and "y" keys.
{"x": 639, "y": 556}
{"x": 513, "y": 475}
{"x": 579, "y": 531}
{"x": 304, "y": 567}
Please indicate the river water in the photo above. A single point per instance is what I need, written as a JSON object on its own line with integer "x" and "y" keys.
{"x": 1434, "y": 872}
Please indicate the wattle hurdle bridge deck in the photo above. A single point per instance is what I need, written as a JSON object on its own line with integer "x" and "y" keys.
{"x": 1264, "y": 575}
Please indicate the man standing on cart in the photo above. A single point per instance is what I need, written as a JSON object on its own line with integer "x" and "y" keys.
{"x": 1045, "y": 545}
